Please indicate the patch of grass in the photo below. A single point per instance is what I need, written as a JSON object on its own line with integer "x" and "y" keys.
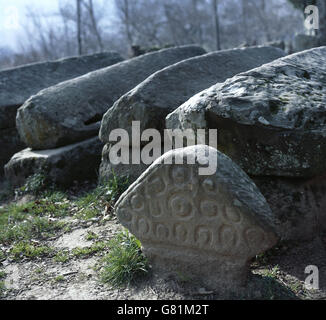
{"x": 2, "y": 289}
{"x": 2, "y": 274}
{"x": 296, "y": 286}
{"x": 88, "y": 213}
{"x": 91, "y": 204}
{"x": 89, "y": 251}
{"x": 34, "y": 184}
{"x": 2, "y": 256}
{"x": 62, "y": 256}
{"x": 28, "y": 250}
{"x": 34, "y": 219}
{"x": 59, "y": 278}
{"x": 271, "y": 273}
{"x": 91, "y": 236}
{"x": 124, "y": 262}
{"x": 37, "y": 228}
{"x": 38, "y": 270}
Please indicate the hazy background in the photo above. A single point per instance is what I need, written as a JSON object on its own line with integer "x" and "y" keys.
{"x": 37, "y": 30}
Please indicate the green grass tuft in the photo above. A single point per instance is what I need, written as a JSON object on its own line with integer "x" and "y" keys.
{"x": 31, "y": 220}
{"x": 124, "y": 262}
{"x": 28, "y": 250}
{"x": 34, "y": 184}
{"x": 91, "y": 204}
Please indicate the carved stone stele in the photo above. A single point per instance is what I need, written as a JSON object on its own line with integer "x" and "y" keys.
{"x": 204, "y": 227}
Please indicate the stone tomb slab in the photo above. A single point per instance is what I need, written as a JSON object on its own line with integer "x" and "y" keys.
{"x": 206, "y": 228}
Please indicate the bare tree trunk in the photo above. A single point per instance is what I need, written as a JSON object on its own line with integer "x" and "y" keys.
{"x": 94, "y": 24}
{"x": 79, "y": 38}
{"x": 127, "y": 22}
{"x": 216, "y": 24}
{"x": 244, "y": 16}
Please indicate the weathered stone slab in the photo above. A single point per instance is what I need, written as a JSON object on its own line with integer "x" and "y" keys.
{"x": 72, "y": 110}
{"x": 304, "y": 42}
{"x": 206, "y": 228}
{"x": 9, "y": 144}
{"x": 108, "y": 169}
{"x": 270, "y": 120}
{"x": 161, "y": 93}
{"x": 62, "y": 166}
{"x": 298, "y": 205}
{"x": 19, "y": 83}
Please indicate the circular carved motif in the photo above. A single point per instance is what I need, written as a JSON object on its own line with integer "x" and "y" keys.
{"x": 125, "y": 216}
{"x": 137, "y": 202}
{"x": 180, "y": 233}
{"x": 208, "y": 185}
{"x": 209, "y": 208}
{"x": 179, "y": 174}
{"x": 203, "y": 237}
{"x": 142, "y": 226}
{"x": 162, "y": 232}
{"x": 180, "y": 206}
{"x": 228, "y": 236}
{"x": 254, "y": 237}
{"x": 155, "y": 208}
{"x": 156, "y": 185}
{"x": 232, "y": 214}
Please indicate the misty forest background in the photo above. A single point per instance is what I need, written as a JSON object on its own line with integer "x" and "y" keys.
{"x": 84, "y": 26}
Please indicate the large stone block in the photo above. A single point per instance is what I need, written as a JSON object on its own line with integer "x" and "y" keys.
{"x": 298, "y": 205}
{"x": 304, "y": 42}
{"x": 19, "y": 83}
{"x": 206, "y": 228}
{"x": 62, "y": 166}
{"x": 161, "y": 93}
{"x": 72, "y": 110}
{"x": 270, "y": 120}
{"x": 109, "y": 169}
{"x": 10, "y": 143}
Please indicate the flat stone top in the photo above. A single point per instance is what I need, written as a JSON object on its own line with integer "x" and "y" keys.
{"x": 213, "y": 67}
{"x": 19, "y": 83}
{"x": 29, "y": 153}
{"x": 288, "y": 93}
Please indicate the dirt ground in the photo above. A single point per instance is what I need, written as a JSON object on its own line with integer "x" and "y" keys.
{"x": 278, "y": 274}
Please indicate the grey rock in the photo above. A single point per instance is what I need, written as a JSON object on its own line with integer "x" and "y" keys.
{"x": 62, "y": 166}
{"x": 270, "y": 120}
{"x": 206, "y": 228}
{"x": 161, "y": 93}
{"x": 72, "y": 110}
{"x": 277, "y": 44}
{"x": 304, "y": 42}
{"x": 19, "y": 83}
{"x": 298, "y": 205}
{"x": 9, "y": 144}
{"x": 108, "y": 169}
